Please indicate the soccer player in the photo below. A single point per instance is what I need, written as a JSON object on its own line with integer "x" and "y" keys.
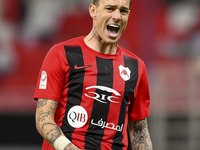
{"x": 89, "y": 87}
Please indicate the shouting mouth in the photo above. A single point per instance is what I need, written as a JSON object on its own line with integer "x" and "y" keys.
{"x": 113, "y": 30}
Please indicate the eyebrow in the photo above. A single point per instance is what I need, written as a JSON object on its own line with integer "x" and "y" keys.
{"x": 115, "y": 6}
{"x": 126, "y": 8}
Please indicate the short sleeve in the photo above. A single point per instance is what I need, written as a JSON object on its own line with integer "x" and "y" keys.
{"x": 139, "y": 107}
{"x": 51, "y": 76}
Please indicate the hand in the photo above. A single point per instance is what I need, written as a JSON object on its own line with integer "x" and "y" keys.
{"x": 71, "y": 146}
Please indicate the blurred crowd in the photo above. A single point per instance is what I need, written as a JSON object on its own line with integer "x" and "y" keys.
{"x": 30, "y": 23}
{"x": 176, "y": 67}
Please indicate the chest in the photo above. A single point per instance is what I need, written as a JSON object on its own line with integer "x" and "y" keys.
{"x": 106, "y": 79}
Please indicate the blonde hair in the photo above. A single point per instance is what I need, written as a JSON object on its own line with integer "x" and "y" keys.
{"x": 96, "y": 2}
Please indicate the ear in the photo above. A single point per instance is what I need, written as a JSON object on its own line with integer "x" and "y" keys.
{"x": 129, "y": 11}
{"x": 92, "y": 11}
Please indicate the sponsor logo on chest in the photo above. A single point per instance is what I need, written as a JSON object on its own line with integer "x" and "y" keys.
{"x": 77, "y": 116}
{"x": 111, "y": 96}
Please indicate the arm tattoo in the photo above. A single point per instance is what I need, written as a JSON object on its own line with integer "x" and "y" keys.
{"x": 54, "y": 105}
{"x": 52, "y": 132}
{"x": 71, "y": 147}
{"x": 49, "y": 129}
{"x": 42, "y": 115}
{"x": 141, "y": 137}
{"x": 41, "y": 103}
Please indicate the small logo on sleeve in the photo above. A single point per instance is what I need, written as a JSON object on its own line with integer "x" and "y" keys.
{"x": 43, "y": 80}
{"x": 124, "y": 72}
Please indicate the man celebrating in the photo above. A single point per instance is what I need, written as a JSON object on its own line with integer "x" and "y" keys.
{"x": 89, "y": 87}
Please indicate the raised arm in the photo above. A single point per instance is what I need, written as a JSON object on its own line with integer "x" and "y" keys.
{"x": 45, "y": 124}
{"x": 141, "y": 138}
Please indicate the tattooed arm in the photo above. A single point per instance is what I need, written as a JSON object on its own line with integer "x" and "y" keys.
{"x": 141, "y": 138}
{"x": 45, "y": 124}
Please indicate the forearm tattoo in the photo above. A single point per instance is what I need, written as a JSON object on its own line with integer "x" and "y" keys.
{"x": 49, "y": 130}
{"x": 71, "y": 146}
{"x": 52, "y": 132}
{"x": 141, "y": 137}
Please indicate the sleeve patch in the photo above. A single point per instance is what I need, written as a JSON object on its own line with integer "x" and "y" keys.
{"x": 43, "y": 80}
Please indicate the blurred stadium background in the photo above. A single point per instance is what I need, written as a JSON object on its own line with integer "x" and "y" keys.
{"x": 164, "y": 33}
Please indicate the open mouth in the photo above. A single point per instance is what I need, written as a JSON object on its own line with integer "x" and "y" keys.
{"x": 112, "y": 29}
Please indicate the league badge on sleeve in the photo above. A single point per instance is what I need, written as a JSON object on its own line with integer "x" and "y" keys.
{"x": 124, "y": 72}
{"x": 43, "y": 80}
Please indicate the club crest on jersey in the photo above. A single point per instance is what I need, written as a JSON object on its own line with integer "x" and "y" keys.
{"x": 43, "y": 80}
{"x": 124, "y": 72}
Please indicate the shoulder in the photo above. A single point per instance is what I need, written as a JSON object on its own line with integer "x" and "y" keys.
{"x": 129, "y": 54}
{"x": 70, "y": 42}
{"x": 59, "y": 48}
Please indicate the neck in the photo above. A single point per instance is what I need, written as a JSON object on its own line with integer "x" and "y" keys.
{"x": 96, "y": 43}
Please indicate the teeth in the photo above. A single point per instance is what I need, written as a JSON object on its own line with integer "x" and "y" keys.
{"x": 115, "y": 26}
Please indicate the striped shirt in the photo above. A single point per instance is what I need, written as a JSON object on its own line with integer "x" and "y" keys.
{"x": 97, "y": 93}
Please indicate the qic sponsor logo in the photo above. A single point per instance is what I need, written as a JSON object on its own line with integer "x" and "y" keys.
{"x": 103, "y": 98}
{"x": 77, "y": 116}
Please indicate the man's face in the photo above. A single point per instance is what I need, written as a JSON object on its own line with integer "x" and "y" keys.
{"x": 110, "y": 21}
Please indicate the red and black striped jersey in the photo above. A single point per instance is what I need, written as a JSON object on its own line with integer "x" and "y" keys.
{"x": 97, "y": 93}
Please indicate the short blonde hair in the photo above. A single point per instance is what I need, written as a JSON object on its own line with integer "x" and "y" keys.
{"x": 96, "y": 2}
